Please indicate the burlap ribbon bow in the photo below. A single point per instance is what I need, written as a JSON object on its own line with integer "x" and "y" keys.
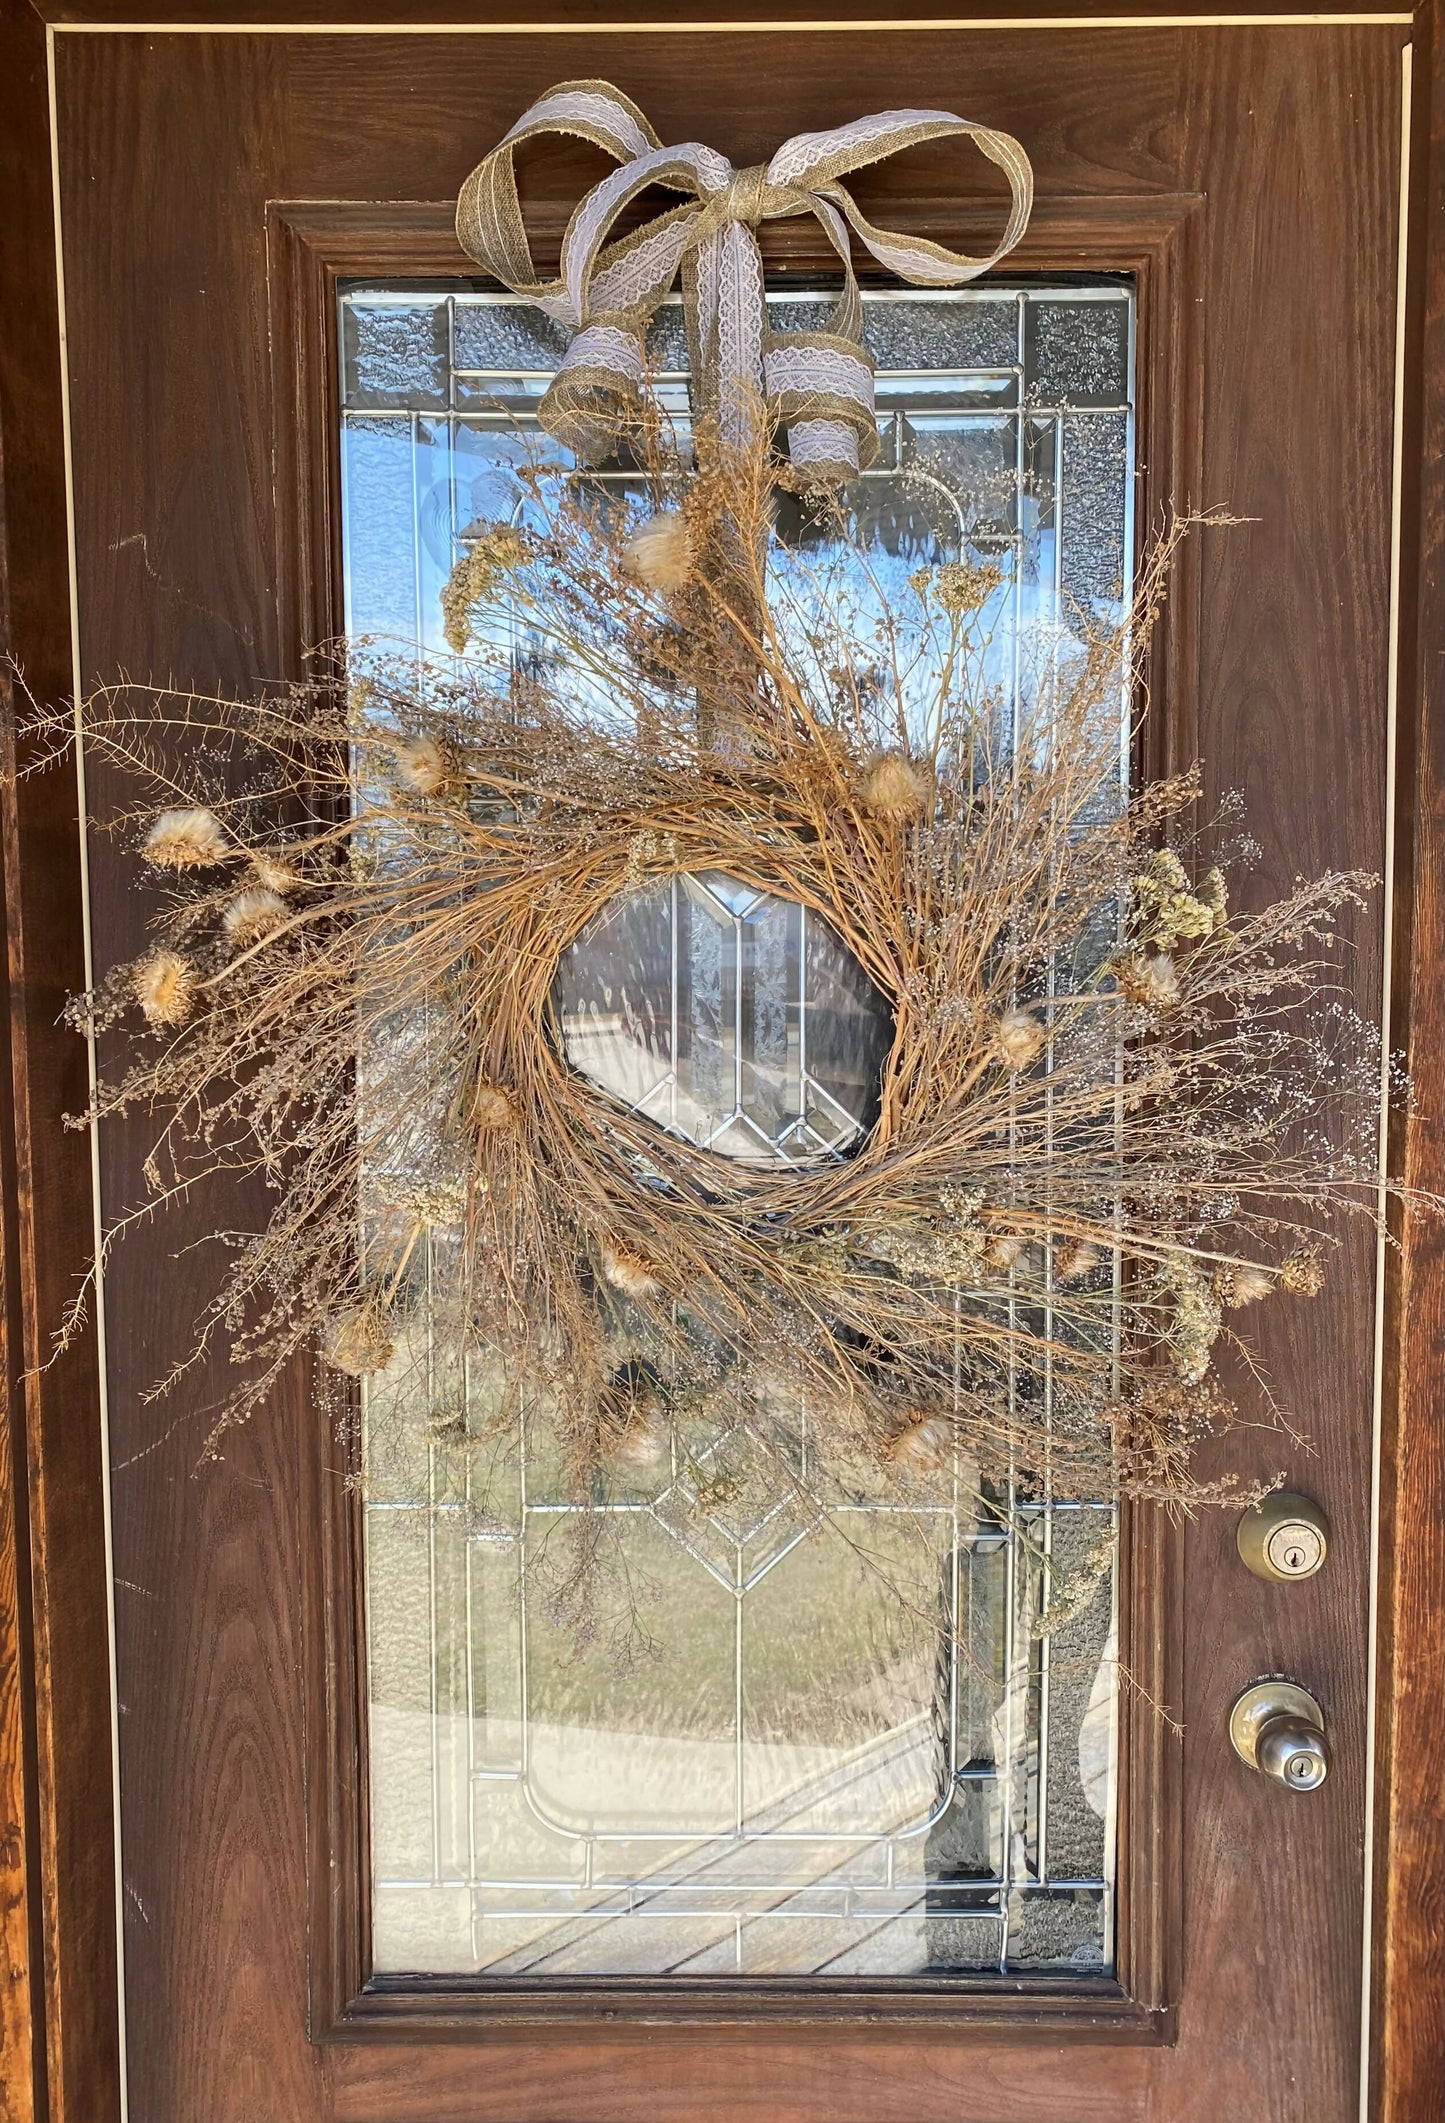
{"x": 818, "y": 386}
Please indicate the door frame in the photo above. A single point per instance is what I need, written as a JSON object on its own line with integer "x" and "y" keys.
{"x": 59, "y": 2024}
{"x": 311, "y": 248}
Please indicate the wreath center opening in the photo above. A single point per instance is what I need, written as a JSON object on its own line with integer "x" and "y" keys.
{"x": 728, "y": 1015}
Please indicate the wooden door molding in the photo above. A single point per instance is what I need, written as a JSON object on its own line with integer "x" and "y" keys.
{"x": 312, "y": 247}
{"x": 59, "y": 2027}
{"x": 1407, "y": 2025}
{"x": 120, "y": 16}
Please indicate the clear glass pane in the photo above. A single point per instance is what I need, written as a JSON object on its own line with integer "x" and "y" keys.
{"x": 730, "y": 1017}
{"x": 836, "y": 1740}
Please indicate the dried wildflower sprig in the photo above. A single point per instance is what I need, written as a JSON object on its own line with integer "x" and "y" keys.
{"x": 1114, "y": 1109}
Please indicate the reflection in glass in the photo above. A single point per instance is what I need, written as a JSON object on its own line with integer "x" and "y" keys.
{"x": 729, "y": 1016}
{"x": 764, "y": 1761}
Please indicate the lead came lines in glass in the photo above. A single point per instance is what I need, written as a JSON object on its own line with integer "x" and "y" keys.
{"x": 1023, "y": 1775}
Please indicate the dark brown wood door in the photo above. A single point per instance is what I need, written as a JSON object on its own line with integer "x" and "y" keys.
{"x": 214, "y": 190}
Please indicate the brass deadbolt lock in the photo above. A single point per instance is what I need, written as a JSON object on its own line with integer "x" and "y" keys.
{"x": 1277, "y": 1727}
{"x": 1284, "y": 1537}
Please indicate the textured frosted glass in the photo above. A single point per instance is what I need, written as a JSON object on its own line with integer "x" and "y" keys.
{"x": 395, "y": 354}
{"x": 1094, "y": 497}
{"x": 763, "y": 1761}
{"x": 1078, "y": 352}
{"x": 378, "y": 500}
{"x": 506, "y": 335}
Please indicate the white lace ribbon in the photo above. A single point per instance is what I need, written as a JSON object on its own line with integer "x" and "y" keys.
{"x": 817, "y": 386}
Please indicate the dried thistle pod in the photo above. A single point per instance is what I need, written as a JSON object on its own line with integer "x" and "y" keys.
{"x": 1004, "y": 1251}
{"x": 422, "y": 766}
{"x": 919, "y": 1447}
{"x": 634, "y": 1428}
{"x": 493, "y": 1109}
{"x": 1303, "y": 1272}
{"x": 660, "y": 552}
{"x": 358, "y": 1341}
{"x": 1078, "y": 1259}
{"x": 1238, "y": 1283}
{"x": 273, "y": 873}
{"x": 642, "y": 1442}
{"x": 252, "y": 915}
{"x": 896, "y": 789}
{"x": 165, "y": 987}
{"x": 186, "y": 840}
{"x": 1017, "y": 1038}
{"x": 1149, "y": 980}
{"x": 628, "y": 1272}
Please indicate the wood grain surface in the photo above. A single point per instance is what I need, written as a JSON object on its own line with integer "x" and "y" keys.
{"x": 119, "y": 15}
{"x": 58, "y": 2023}
{"x": 171, "y": 150}
{"x": 1408, "y": 2021}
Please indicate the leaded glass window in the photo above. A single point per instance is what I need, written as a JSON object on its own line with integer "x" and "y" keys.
{"x": 842, "y": 1743}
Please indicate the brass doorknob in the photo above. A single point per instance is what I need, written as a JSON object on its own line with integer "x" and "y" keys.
{"x": 1278, "y": 1728}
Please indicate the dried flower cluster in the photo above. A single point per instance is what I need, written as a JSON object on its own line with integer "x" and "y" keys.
{"x": 1115, "y": 1113}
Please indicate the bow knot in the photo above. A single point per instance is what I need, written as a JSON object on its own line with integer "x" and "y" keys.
{"x": 817, "y": 386}
{"x": 747, "y": 197}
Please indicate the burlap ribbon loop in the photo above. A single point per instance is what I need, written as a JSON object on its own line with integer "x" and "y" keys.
{"x": 817, "y": 385}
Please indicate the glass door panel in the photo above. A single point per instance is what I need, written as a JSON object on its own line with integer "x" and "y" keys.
{"x": 848, "y": 1740}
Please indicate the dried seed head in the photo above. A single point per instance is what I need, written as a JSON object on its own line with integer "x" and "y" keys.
{"x": 1214, "y": 894}
{"x": 642, "y": 1442}
{"x": 659, "y": 552}
{"x": 1004, "y": 1251}
{"x": 493, "y": 1109}
{"x": 448, "y": 1423}
{"x": 1071, "y": 1592}
{"x": 1195, "y": 1318}
{"x": 186, "y": 840}
{"x": 1303, "y": 1273}
{"x": 493, "y": 554}
{"x": 1017, "y": 1038}
{"x": 961, "y": 587}
{"x": 357, "y": 1341}
{"x": 634, "y": 1427}
{"x": 421, "y": 766}
{"x": 919, "y": 1447}
{"x": 1239, "y": 1283}
{"x": 628, "y": 1272}
{"x": 252, "y": 915}
{"x": 273, "y": 873}
{"x": 1078, "y": 1260}
{"x": 896, "y": 789}
{"x": 1166, "y": 907}
{"x": 165, "y": 988}
{"x": 1148, "y": 980}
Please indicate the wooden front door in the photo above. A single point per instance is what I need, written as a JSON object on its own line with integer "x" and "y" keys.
{"x": 1237, "y": 190}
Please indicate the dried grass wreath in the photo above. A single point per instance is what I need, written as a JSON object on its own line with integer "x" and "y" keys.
{"x": 1114, "y": 1115}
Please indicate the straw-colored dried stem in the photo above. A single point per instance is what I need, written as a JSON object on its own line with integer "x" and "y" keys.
{"x": 1113, "y": 1109}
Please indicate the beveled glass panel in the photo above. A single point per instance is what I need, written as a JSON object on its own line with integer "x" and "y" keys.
{"x": 829, "y": 1739}
{"x": 728, "y": 1016}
